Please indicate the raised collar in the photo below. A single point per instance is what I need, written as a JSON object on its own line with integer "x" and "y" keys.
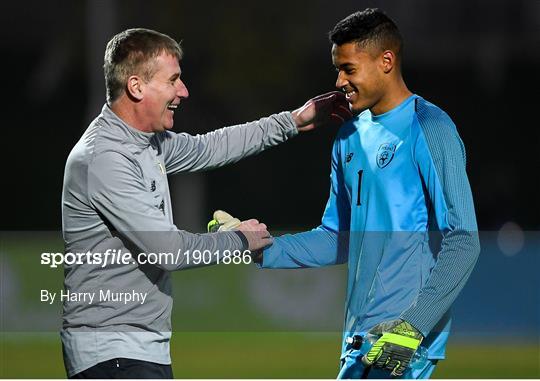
{"x": 124, "y": 130}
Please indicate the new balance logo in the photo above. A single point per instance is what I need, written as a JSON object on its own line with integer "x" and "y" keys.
{"x": 162, "y": 206}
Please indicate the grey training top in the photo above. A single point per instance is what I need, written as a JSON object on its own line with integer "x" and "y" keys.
{"x": 116, "y": 196}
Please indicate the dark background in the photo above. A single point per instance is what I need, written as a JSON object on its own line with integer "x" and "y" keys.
{"x": 477, "y": 60}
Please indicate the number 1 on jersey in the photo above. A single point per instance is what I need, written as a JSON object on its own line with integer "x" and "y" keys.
{"x": 360, "y": 172}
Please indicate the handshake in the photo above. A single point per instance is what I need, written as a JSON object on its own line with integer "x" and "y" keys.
{"x": 255, "y": 232}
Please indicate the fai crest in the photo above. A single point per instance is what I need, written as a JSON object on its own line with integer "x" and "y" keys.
{"x": 385, "y": 154}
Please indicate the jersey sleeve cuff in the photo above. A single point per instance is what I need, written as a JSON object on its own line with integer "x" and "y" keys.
{"x": 242, "y": 236}
{"x": 286, "y": 120}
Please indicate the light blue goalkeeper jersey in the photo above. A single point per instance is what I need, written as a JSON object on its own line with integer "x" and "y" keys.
{"x": 401, "y": 215}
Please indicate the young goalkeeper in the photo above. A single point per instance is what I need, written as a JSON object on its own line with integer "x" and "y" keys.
{"x": 397, "y": 174}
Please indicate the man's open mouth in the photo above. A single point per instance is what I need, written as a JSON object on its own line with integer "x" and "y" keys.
{"x": 349, "y": 94}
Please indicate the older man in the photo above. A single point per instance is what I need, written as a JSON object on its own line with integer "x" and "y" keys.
{"x": 116, "y": 199}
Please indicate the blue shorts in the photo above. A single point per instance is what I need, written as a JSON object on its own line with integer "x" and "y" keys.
{"x": 352, "y": 367}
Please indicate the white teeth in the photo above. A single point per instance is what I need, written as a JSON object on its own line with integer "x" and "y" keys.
{"x": 349, "y": 94}
{"x": 172, "y": 107}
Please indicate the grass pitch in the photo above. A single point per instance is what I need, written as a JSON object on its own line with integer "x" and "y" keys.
{"x": 267, "y": 355}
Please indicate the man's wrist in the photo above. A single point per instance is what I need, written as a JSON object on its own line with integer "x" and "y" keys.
{"x": 296, "y": 117}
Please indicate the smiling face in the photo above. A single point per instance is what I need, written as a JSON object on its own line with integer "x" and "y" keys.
{"x": 162, "y": 94}
{"x": 360, "y": 75}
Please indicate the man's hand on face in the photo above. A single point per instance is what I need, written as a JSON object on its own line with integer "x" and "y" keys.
{"x": 327, "y": 109}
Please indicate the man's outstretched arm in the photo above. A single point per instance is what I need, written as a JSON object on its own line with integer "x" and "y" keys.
{"x": 183, "y": 152}
{"x": 117, "y": 192}
{"x": 316, "y": 248}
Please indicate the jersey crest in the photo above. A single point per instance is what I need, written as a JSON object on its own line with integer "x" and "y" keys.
{"x": 385, "y": 154}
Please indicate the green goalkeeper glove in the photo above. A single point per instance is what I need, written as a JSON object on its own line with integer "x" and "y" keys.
{"x": 395, "y": 347}
{"x": 222, "y": 221}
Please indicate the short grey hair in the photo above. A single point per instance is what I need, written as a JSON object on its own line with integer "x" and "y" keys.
{"x": 132, "y": 52}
